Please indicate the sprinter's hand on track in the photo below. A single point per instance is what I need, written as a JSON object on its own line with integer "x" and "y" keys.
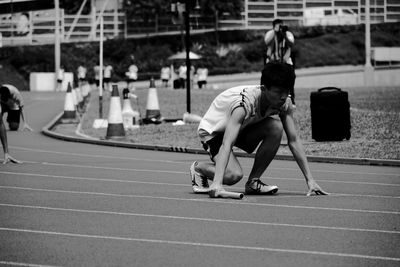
{"x": 314, "y": 188}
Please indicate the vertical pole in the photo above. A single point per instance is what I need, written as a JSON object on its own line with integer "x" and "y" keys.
{"x": 93, "y": 21}
{"x": 101, "y": 69}
{"x": 367, "y": 34}
{"x": 57, "y": 45}
{"x": 188, "y": 67}
{"x": 368, "y": 69}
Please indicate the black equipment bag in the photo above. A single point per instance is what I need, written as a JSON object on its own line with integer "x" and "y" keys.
{"x": 330, "y": 114}
{"x": 177, "y": 84}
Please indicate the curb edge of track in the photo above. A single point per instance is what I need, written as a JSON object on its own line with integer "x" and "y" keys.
{"x": 47, "y": 130}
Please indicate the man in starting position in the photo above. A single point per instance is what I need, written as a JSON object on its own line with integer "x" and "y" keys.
{"x": 248, "y": 117}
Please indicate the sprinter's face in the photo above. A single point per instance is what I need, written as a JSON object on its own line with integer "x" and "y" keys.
{"x": 276, "y": 97}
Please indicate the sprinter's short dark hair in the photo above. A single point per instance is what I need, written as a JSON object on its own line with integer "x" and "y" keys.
{"x": 279, "y": 75}
{"x": 5, "y": 93}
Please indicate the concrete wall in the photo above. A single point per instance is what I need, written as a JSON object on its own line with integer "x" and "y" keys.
{"x": 46, "y": 81}
{"x": 381, "y": 77}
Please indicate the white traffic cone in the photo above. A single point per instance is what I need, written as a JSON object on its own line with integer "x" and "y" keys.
{"x": 130, "y": 117}
{"x": 115, "y": 128}
{"x": 69, "y": 115}
{"x": 153, "y": 114}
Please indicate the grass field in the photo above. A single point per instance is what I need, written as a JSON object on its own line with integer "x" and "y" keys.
{"x": 375, "y": 120}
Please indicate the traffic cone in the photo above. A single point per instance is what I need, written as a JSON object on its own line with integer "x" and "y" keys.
{"x": 130, "y": 117}
{"x": 74, "y": 96}
{"x": 69, "y": 115}
{"x": 115, "y": 128}
{"x": 153, "y": 114}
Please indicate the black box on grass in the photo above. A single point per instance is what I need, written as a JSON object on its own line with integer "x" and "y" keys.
{"x": 330, "y": 114}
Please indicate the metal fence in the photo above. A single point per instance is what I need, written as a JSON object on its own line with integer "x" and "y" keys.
{"x": 83, "y": 28}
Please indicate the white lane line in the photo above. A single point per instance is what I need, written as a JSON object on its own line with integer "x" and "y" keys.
{"x": 205, "y": 200}
{"x": 397, "y": 174}
{"x": 200, "y": 244}
{"x": 96, "y": 156}
{"x": 172, "y": 184}
{"x": 13, "y": 263}
{"x": 202, "y": 219}
{"x": 179, "y": 172}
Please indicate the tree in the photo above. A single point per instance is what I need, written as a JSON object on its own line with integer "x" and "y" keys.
{"x": 72, "y": 6}
{"x": 219, "y": 7}
{"x": 144, "y": 9}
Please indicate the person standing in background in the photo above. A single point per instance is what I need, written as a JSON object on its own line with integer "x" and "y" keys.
{"x": 97, "y": 70}
{"x": 81, "y": 74}
{"x": 107, "y": 77}
{"x": 182, "y": 75}
{"x": 279, "y": 41}
{"x": 132, "y": 75}
{"x": 165, "y": 75}
{"x": 60, "y": 78}
{"x": 202, "y": 74}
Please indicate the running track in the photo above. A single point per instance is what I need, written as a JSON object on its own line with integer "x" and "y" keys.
{"x": 74, "y": 204}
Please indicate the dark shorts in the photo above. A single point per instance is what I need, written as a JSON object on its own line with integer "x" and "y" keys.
{"x": 106, "y": 80}
{"x": 213, "y": 145}
{"x": 246, "y": 140}
{"x": 59, "y": 81}
{"x": 13, "y": 116}
{"x": 201, "y": 83}
{"x": 97, "y": 82}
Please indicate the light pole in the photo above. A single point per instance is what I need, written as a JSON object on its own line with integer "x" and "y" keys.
{"x": 57, "y": 46}
{"x": 186, "y": 11}
{"x": 368, "y": 69}
{"x": 187, "y": 46}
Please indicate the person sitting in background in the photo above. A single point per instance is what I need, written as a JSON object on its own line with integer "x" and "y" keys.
{"x": 23, "y": 25}
{"x": 12, "y": 103}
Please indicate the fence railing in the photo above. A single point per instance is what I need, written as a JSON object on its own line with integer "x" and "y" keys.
{"x": 41, "y": 27}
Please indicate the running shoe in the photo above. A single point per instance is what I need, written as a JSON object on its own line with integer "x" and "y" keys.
{"x": 256, "y": 187}
{"x": 199, "y": 182}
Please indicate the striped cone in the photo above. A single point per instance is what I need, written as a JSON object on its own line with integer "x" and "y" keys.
{"x": 153, "y": 114}
{"x": 130, "y": 117}
{"x": 69, "y": 115}
{"x": 115, "y": 128}
{"x": 75, "y": 97}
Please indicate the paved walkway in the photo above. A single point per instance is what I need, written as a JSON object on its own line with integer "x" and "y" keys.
{"x": 314, "y": 77}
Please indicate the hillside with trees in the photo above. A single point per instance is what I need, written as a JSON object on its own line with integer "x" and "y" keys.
{"x": 222, "y": 53}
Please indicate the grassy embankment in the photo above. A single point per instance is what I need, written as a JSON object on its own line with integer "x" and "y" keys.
{"x": 375, "y": 119}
